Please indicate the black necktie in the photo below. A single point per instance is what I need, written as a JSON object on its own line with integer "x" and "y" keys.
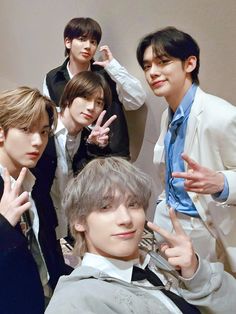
{"x": 184, "y": 306}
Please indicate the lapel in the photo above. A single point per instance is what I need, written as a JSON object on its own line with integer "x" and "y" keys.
{"x": 193, "y": 121}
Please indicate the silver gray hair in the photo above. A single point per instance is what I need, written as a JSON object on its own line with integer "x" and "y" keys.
{"x": 100, "y": 178}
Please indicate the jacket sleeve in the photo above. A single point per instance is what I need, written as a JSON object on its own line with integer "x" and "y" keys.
{"x": 211, "y": 289}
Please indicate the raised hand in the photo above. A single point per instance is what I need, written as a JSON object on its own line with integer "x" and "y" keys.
{"x": 106, "y": 56}
{"x": 99, "y": 135}
{"x": 200, "y": 179}
{"x": 178, "y": 248}
{"x": 14, "y": 203}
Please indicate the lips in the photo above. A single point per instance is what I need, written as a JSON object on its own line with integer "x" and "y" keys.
{"x": 125, "y": 235}
{"x": 157, "y": 84}
{"x": 86, "y": 54}
{"x": 87, "y": 116}
{"x": 33, "y": 155}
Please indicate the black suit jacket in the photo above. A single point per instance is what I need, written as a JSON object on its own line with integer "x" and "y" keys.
{"x": 20, "y": 289}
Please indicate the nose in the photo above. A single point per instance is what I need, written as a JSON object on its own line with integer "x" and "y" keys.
{"x": 90, "y": 105}
{"x": 155, "y": 70}
{"x": 87, "y": 43}
{"x": 36, "y": 139}
{"x": 123, "y": 215}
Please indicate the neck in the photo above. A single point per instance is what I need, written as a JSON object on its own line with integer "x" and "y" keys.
{"x": 76, "y": 67}
{"x": 175, "y": 99}
{"x": 72, "y": 127}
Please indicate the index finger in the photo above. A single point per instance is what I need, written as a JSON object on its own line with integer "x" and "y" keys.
{"x": 191, "y": 163}
{"x": 109, "y": 121}
{"x": 7, "y": 180}
{"x": 165, "y": 234}
{"x": 20, "y": 179}
{"x": 175, "y": 222}
{"x": 100, "y": 118}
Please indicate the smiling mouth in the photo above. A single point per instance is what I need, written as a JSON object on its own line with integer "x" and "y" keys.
{"x": 125, "y": 235}
{"x": 158, "y": 83}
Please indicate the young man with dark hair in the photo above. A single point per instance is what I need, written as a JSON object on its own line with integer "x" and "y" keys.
{"x": 31, "y": 260}
{"x": 106, "y": 206}
{"x": 81, "y": 38}
{"x": 84, "y": 102}
{"x": 195, "y": 146}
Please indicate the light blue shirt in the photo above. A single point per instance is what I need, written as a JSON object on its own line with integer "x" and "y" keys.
{"x": 176, "y": 196}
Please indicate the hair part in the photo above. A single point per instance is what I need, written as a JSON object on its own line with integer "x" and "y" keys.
{"x": 85, "y": 84}
{"x": 23, "y": 107}
{"x": 82, "y": 26}
{"x": 171, "y": 42}
{"x": 100, "y": 178}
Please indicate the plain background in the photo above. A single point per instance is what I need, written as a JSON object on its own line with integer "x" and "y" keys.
{"x": 31, "y": 35}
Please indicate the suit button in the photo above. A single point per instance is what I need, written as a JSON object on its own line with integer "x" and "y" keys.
{"x": 195, "y": 198}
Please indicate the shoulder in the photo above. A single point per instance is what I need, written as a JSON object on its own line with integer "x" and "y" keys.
{"x": 56, "y": 71}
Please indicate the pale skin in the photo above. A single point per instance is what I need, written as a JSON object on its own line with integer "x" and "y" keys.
{"x": 178, "y": 248}
{"x": 13, "y": 202}
{"x": 99, "y": 135}
{"x": 200, "y": 179}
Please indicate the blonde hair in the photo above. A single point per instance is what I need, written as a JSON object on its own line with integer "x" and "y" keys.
{"x": 101, "y": 177}
{"x": 23, "y": 106}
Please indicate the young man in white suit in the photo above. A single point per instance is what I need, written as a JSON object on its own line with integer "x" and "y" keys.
{"x": 196, "y": 147}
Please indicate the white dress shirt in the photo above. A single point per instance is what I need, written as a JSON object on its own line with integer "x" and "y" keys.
{"x": 66, "y": 147}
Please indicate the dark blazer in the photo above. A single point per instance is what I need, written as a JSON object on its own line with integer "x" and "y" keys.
{"x": 20, "y": 289}
{"x": 56, "y": 81}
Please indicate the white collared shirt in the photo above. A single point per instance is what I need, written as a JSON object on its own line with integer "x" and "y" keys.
{"x": 66, "y": 147}
{"x": 123, "y": 270}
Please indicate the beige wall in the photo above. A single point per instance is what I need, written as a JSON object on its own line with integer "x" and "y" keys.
{"x": 31, "y": 44}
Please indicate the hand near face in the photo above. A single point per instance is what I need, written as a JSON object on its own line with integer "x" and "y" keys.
{"x": 106, "y": 56}
{"x": 178, "y": 248}
{"x": 99, "y": 135}
{"x": 14, "y": 203}
{"x": 200, "y": 179}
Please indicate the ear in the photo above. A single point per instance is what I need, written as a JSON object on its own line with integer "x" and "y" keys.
{"x": 190, "y": 64}
{"x": 67, "y": 43}
{"x": 80, "y": 227}
{"x": 2, "y": 135}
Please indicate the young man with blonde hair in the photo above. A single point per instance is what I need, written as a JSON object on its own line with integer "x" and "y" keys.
{"x": 106, "y": 206}
{"x": 31, "y": 260}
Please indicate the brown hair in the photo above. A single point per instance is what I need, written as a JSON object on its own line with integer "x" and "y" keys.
{"x": 82, "y": 26}
{"x": 85, "y": 84}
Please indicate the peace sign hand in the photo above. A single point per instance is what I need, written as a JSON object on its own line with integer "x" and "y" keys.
{"x": 178, "y": 248}
{"x": 14, "y": 203}
{"x": 99, "y": 135}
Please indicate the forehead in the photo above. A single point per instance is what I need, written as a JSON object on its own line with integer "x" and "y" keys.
{"x": 148, "y": 54}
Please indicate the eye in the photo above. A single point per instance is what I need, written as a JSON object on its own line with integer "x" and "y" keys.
{"x": 45, "y": 132}
{"x": 100, "y": 103}
{"x": 146, "y": 67}
{"x": 93, "y": 42}
{"x": 25, "y": 130}
{"x": 133, "y": 204}
{"x": 81, "y": 38}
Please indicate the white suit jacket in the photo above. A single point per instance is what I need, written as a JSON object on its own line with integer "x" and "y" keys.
{"x": 210, "y": 141}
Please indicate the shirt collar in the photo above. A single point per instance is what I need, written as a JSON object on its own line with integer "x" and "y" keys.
{"x": 28, "y": 182}
{"x": 60, "y": 128}
{"x": 113, "y": 267}
{"x": 69, "y": 72}
{"x": 184, "y": 106}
